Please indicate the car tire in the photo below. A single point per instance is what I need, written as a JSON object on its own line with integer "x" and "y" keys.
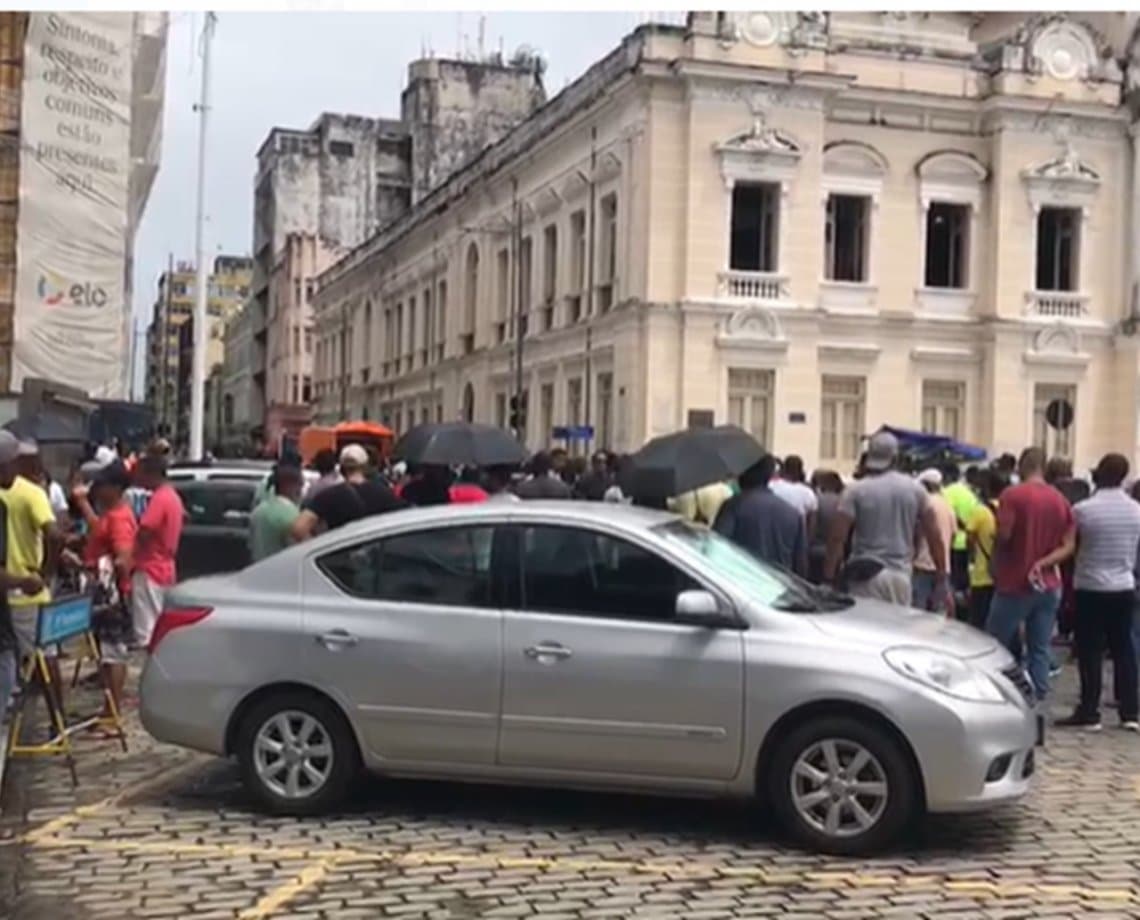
{"x": 816, "y": 803}
{"x": 328, "y": 749}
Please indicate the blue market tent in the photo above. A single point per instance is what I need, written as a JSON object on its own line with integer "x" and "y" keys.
{"x": 924, "y": 444}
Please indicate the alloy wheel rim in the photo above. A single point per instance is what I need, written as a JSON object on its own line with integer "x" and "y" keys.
{"x": 293, "y": 754}
{"x": 839, "y": 788}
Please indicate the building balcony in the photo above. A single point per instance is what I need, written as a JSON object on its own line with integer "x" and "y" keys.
{"x": 1056, "y": 305}
{"x": 769, "y": 287}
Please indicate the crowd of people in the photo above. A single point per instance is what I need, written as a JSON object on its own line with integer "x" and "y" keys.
{"x": 113, "y": 531}
{"x": 1020, "y": 547}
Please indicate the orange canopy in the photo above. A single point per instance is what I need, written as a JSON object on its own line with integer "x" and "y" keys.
{"x": 363, "y": 429}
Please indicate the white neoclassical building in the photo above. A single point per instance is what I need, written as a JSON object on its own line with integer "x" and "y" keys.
{"x": 807, "y": 224}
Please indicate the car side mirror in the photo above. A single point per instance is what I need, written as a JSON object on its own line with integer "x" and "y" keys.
{"x": 700, "y": 608}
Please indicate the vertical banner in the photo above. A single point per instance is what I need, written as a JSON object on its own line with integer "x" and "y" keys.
{"x": 72, "y": 235}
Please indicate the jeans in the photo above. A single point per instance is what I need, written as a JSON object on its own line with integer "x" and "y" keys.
{"x": 1101, "y": 616}
{"x": 1038, "y": 611}
{"x": 926, "y": 593}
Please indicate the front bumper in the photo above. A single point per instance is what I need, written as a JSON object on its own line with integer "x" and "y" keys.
{"x": 973, "y": 756}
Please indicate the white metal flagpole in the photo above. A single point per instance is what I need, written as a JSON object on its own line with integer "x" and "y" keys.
{"x": 201, "y": 316}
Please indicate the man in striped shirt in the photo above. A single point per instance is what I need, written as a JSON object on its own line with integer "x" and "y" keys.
{"x": 1108, "y": 534}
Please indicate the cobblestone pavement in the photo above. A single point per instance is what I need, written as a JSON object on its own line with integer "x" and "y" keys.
{"x": 160, "y": 833}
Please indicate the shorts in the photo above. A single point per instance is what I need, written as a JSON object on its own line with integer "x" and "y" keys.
{"x": 146, "y": 606}
{"x": 24, "y": 622}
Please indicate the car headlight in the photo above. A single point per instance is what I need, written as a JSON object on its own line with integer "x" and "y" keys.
{"x": 944, "y": 673}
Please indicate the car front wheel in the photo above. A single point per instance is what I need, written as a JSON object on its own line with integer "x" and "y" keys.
{"x": 297, "y": 754}
{"x": 842, "y": 786}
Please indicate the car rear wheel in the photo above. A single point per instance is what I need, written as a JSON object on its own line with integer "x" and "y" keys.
{"x": 842, "y": 786}
{"x": 297, "y": 754}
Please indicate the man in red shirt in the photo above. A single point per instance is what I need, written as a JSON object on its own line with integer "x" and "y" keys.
{"x": 1035, "y": 533}
{"x": 156, "y": 545}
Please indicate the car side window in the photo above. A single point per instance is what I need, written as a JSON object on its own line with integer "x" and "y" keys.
{"x": 577, "y": 571}
{"x": 449, "y": 566}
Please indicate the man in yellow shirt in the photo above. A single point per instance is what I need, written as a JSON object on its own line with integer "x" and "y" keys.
{"x": 981, "y": 531}
{"x": 31, "y": 542}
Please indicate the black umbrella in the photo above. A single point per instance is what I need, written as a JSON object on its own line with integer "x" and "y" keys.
{"x": 459, "y": 444}
{"x": 685, "y": 460}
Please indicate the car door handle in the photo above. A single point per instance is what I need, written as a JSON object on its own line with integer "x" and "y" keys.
{"x": 547, "y": 651}
{"x": 337, "y": 639}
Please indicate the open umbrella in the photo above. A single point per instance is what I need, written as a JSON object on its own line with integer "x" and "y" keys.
{"x": 685, "y": 460}
{"x": 459, "y": 444}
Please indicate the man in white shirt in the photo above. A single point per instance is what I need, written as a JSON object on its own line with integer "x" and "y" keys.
{"x": 1108, "y": 536}
{"x": 792, "y": 488}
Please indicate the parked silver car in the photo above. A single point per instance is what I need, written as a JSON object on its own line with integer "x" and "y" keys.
{"x": 588, "y": 645}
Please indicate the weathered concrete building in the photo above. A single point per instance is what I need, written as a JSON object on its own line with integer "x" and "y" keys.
{"x": 805, "y": 224}
{"x": 238, "y": 425}
{"x": 454, "y": 110}
{"x": 342, "y": 180}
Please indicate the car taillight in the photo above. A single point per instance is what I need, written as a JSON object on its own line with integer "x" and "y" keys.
{"x": 175, "y": 618}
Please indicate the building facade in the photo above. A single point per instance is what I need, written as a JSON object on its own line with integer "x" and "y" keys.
{"x": 238, "y": 427}
{"x": 767, "y": 219}
{"x": 321, "y": 192}
{"x": 170, "y": 334}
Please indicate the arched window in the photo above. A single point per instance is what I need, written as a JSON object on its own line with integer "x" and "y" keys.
{"x": 468, "y": 408}
{"x": 471, "y": 297}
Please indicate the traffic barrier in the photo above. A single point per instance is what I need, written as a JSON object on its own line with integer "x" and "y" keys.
{"x": 59, "y": 621}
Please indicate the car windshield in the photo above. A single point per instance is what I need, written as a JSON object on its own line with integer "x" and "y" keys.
{"x": 767, "y": 584}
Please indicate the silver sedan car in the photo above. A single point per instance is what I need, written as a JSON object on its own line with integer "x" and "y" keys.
{"x": 587, "y": 645}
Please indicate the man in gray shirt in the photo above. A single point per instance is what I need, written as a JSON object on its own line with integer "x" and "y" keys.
{"x": 763, "y": 523}
{"x": 883, "y": 513}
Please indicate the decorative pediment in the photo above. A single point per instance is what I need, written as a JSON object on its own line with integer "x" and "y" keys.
{"x": 796, "y": 30}
{"x": 760, "y": 154}
{"x": 1057, "y": 339}
{"x": 950, "y": 176}
{"x": 1063, "y": 49}
{"x": 1064, "y": 181}
{"x": 1058, "y": 345}
{"x": 574, "y": 187}
{"x": 753, "y": 327}
{"x": 547, "y": 201}
{"x": 1058, "y": 46}
{"x": 608, "y": 167}
{"x": 853, "y": 167}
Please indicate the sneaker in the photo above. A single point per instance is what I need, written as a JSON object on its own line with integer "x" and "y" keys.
{"x": 1130, "y": 725}
{"x": 1055, "y": 670}
{"x": 1078, "y": 720}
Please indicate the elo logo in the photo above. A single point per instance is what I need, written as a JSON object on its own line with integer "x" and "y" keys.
{"x": 53, "y": 292}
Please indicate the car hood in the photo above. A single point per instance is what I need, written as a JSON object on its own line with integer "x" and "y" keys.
{"x": 881, "y": 625}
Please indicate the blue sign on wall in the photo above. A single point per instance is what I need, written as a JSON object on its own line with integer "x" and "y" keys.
{"x": 64, "y": 618}
{"x": 573, "y": 433}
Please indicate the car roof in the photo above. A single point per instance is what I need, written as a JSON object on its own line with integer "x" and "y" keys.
{"x": 216, "y": 484}
{"x": 562, "y": 511}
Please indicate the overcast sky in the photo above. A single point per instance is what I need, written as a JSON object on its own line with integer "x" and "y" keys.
{"x": 285, "y": 69}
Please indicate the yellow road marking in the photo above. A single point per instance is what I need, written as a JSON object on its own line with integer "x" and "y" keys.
{"x": 325, "y": 859}
{"x": 148, "y": 784}
{"x": 309, "y": 877}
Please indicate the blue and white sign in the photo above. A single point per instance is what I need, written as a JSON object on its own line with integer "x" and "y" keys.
{"x": 573, "y": 433}
{"x": 64, "y": 618}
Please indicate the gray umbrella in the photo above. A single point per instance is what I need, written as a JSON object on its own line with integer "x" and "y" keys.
{"x": 459, "y": 444}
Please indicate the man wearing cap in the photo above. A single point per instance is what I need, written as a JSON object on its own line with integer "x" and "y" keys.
{"x": 883, "y": 512}
{"x": 30, "y": 465}
{"x": 355, "y": 498}
{"x": 32, "y": 538}
{"x": 927, "y": 592}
